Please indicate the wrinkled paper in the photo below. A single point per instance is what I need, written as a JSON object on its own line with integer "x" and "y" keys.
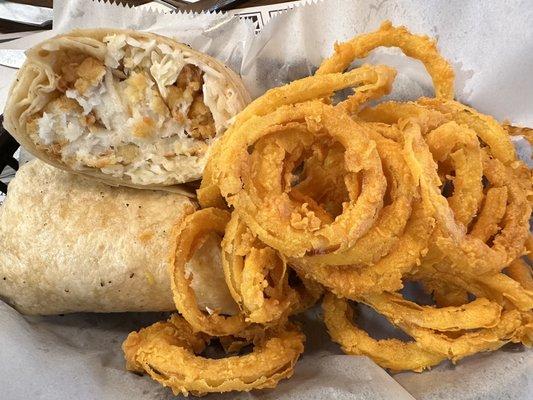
{"x": 491, "y": 48}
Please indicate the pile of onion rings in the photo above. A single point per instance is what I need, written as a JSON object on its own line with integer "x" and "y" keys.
{"x": 352, "y": 200}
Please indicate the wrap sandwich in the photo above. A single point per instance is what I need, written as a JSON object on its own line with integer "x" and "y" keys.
{"x": 70, "y": 244}
{"x": 125, "y": 107}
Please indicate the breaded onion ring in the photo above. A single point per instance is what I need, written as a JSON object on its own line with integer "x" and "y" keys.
{"x": 420, "y": 47}
{"x": 430, "y": 346}
{"x": 185, "y": 236}
{"x": 298, "y": 91}
{"x": 468, "y": 343}
{"x": 290, "y": 227}
{"x": 388, "y": 353}
{"x": 168, "y": 352}
{"x": 480, "y": 313}
{"x": 393, "y": 217}
{"x": 256, "y": 275}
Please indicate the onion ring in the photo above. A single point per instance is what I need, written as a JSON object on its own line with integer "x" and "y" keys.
{"x": 386, "y": 275}
{"x": 195, "y": 226}
{"x": 469, "y": 253}
{"x": 430, "y": 345}
{"x": 257, "y": 277}
{"x": 420, "y": 47}
{"x": 302, "y": 232}
{"x": 460, "y": 144}
{"x": 167, "y": 351}
{"x": 470, "y": 342}
{"x": 305, "y": 89}
{"x": 392, "y": 220}
{"x": 480, "y": 313}
{"x": 492, "y": 213}
{"x": 486, "y": 127}
{"x": 496, "y": 287}
{"x": 392, "y": 354}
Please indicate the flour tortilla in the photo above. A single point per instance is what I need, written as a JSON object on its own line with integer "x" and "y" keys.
{"x": 36, "y": 82}
{"x": 69, "y": 244}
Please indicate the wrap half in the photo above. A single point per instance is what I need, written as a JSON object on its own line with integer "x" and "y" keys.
{"x": 69, "y": 244}
{"x": 125, "y": 107}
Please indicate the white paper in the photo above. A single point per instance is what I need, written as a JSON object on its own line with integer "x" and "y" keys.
{"x": 260, "y": 16}
{"x": 79, "y": 357}
{"x": 490, "y": 46}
